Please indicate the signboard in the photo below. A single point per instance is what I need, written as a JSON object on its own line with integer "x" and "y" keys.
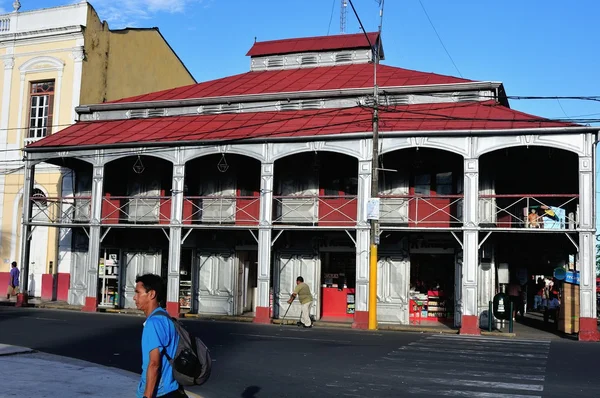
{"x": 572, "y": 277}
{"x": 503, "y": 273}
{"x": 373, "y": 209}
{"x": 502, "y": 306}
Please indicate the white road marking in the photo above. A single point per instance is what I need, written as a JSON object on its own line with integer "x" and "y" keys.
{"x": 462, "y": 373}
{"x": 49, "y": 319}
{"x": 498, "y": 340}
{"x": 457, "y": 393}
{"x": 289, "y": 338}
{"x": 479, "y": 383}
{"x": 461, "y": 364}
{"x": 482, "y": 352}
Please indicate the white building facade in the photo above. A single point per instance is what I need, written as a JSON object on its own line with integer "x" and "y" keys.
{"x": 231, "y": 189}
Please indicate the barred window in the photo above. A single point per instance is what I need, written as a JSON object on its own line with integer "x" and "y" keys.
{"x": 40, "y": 108}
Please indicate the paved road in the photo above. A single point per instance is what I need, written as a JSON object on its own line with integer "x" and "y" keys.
{"x": 273, "y": 361}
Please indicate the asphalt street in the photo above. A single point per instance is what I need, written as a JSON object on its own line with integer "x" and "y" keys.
{"x": 286, "y": 361}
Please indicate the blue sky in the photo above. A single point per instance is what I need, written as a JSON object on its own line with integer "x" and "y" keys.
{"x": 535, "y": 47}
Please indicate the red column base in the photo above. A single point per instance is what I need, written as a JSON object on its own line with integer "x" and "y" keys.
{"x": 21, "y": 300}
{"x": 470, "y": 325}
{"x": 588, "y": 329}
{"x": 91, "y": 304}
{"x": 361, "y": 320}
{"x": 263, "y": 315}
{"x": 173, "y": 309}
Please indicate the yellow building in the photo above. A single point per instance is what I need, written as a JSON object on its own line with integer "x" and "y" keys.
{"x": 55, "y": 59}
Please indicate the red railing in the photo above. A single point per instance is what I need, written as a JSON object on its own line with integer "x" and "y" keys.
{"x": 324, "y": 210}
{"x": 136, "y": 209}
{"x": 543, "y": 211}
{"x": 237, "y": 210}
{"x": 441, "y": 211}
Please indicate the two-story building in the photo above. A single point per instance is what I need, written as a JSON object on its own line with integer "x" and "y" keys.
{"x": 234, "y": 187}
{"x": 54, "y": 59}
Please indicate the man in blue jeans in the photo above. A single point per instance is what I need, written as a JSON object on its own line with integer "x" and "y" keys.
{"x": 159, "y": 334}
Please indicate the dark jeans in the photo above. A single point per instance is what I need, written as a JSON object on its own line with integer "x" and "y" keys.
{"x": 175, "y": 394}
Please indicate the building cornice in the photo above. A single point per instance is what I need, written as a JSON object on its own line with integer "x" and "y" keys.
{"x": 318, "y": 94}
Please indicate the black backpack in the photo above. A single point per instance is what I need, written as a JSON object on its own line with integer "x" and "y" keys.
{"x": 192, "y": 363}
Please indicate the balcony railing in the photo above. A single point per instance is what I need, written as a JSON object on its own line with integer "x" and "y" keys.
{"x": 441, "y": 211}
{"x": 544, "y": 211}
{"x": 61, "y": 210}
{"x": 327, "y": 210}
{"x": 237, "y": 210}
{"x": 136, "y": 209}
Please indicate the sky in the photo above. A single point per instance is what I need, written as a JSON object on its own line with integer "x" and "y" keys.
{"x": 535, "y": 47}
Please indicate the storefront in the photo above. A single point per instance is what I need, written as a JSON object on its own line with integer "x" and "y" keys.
{"x": 338, "y": 285}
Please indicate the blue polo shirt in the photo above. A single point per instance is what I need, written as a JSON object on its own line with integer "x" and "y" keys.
{"x": 160, "y": 333}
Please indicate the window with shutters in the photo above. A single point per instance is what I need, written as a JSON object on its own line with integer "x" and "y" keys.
{"x": 41, "y": 105}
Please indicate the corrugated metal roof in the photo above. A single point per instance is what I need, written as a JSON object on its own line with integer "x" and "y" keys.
{"x": 487, "y": 115}
{"x": 305, "y": 79}
{"x": 307, "y": 44}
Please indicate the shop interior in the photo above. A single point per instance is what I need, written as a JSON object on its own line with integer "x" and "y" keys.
{"x": 432, "y": 287}
{"x": 338, "y": 278}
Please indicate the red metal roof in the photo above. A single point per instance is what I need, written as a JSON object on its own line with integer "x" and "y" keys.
{"x": 305, "y": 44}
{"x": 487, "y": 115}
{"x": 305, "y": 79}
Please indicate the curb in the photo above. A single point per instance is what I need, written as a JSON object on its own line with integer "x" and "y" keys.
{"x": 498, "y": 334}
{"x": 230, "y": 318}
{"x": 417, "y": 329}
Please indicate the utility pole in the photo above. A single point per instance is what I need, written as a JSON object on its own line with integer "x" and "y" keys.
{"x": 374, "y": 173}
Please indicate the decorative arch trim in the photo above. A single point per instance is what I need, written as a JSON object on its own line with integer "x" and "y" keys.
{"x": 563, "y": 147}
{"x": 15, "y": 219}
{"x": 28, "y": 66}
{"x": 428, "y": 145}
{"x": 218, "y": 151}
{"x": 109, "y": 159}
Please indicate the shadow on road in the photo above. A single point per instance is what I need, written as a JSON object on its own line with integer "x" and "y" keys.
{"x": 250, "y": 392}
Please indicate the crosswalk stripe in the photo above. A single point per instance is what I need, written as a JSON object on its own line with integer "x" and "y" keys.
{"x": 452, "y": 372}
{"x": 498, "y": 340}
{"x": 480, "y": 346}
{"x": 476, "y": 383}
{"x": 434, "y": 356}
{"x": 475, "y": 352}
{"x": 461, "y": 364}
{"x": 458, "y": 393}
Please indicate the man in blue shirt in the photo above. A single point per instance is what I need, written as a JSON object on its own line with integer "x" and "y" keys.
{"x": 159, "y": 334}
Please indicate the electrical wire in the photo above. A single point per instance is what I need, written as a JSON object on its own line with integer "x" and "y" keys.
{"x": 331, "y": 17}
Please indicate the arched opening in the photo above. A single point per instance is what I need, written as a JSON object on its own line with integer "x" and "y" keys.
{"x": 318, "y": 188}
{"x": 421, "y": 187}
{"x": 137, "y": 190}
{"x": 534, "y": 191}
{"x": 314, "y": 190}
{"x": 222, "y": 189}
{"x": 218, "y": 269}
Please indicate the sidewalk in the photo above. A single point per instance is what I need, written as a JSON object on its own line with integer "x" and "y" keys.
{"x": 39, "y": 375}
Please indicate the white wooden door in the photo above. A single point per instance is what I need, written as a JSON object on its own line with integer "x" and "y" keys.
{"x": 289, "y": 267}
{"x": 393, "y": 276}
{"x": 217, "y": 280}
{"x": 394, "y": 210}
{"x": 38, "y": 249}
{"x": 137, "y": 263}
{"x": 218, "y": 203}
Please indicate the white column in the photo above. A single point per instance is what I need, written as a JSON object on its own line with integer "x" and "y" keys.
{"x": 9, "y": 64}
{"x": 65, "y": 235}
{"x": 91, "y": 301}
{"x": 470, "y": 315}
{"x": 264, "y": 242}
{"x": 175, "y": 239}
{"x": 78, "y": 56}
{"x": 363, "y": 236}
{"x": 587, "y": 250}
{"x": 26, "y": 228}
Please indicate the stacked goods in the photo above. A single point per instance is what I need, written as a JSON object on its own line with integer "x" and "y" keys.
{"x": 568, "y": 317}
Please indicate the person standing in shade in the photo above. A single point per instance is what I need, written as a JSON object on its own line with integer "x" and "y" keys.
{"x": 13, "y": 281}
{"x": 302, "y": 291}
{"x": 159, "y": 339}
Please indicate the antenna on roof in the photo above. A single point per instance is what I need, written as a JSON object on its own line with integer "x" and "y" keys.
{"x": 254, "y": 39}
{"x": 16, "y": 5}
{"x": 343, "y": 13}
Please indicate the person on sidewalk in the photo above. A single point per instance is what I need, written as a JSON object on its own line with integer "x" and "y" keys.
{"x": 159, "y": 336}
{"x": 303, "y": 292}
{"x": 13, "y": 281}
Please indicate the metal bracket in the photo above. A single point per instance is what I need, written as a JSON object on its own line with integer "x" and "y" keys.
{"x": 277, "y": 237}
{"x": 484, "y": 239}
{"x": 572, "y": 241}
{"x": 253, "y": 235}
{"x": 458, "y": 240}
{"x": 350, "y": 236}
{"x": 166, "y": 234}
{"x": 104, "y": 235}
{"x": 86, "y": 232}
{"x": 186, "y": 235}
{"x": 30, "y": 234}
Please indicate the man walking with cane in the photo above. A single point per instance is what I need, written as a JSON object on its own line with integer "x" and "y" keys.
{"x": 303, "y": 292}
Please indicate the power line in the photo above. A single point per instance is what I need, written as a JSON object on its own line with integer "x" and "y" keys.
{"x": 331, "y": 17}
{"x": 440, "y": 39}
